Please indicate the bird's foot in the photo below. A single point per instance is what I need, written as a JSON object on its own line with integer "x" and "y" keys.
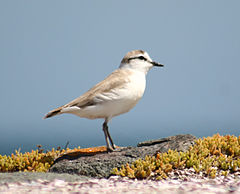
{"x": 109, "y": 149}
{"x": 115, "y": 149}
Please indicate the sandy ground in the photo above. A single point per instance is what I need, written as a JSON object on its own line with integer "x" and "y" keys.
{"x": 65, "y": 183}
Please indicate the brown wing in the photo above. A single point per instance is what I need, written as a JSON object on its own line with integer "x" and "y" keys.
{"x": 115, "y": 80}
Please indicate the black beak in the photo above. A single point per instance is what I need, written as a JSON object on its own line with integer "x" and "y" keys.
{"x": 157, "y": 64}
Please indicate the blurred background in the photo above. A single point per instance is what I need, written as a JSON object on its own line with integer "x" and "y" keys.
{"x": 53, "y": 51}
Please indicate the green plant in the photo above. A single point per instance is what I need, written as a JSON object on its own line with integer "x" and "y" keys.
{"x": 212, "y": 155}
{"x": 34, "y": 161}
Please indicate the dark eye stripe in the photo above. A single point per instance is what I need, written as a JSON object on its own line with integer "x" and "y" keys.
{"x": 140, "y": 57}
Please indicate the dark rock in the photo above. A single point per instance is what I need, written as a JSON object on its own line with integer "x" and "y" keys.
{"x": 100, "y": 165}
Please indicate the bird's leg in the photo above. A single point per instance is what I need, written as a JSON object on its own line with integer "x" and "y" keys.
{"x": 105, "y": 130}
{"x": 109, "y": 136}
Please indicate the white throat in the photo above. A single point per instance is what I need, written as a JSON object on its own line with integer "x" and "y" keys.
{"x": 136, "y": 67}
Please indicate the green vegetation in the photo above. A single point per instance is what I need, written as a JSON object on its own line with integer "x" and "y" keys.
{"x": 35, "y": 161}
{"x": 211, "y": 156}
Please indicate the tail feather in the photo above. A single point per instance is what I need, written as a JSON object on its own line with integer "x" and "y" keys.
{"x": 53, "y": 113}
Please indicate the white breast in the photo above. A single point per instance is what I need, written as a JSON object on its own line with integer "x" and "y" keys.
{"x": 128, "y": 96}
{"x": 117, "y": 101}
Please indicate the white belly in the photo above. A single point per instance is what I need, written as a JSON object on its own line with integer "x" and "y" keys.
{"x": 118, "y": 100}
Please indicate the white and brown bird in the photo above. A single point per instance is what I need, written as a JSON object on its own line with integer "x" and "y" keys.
{"x": 115, "y": 95}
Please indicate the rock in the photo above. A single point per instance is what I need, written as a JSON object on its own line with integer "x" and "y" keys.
{"x": 100, "y": 165}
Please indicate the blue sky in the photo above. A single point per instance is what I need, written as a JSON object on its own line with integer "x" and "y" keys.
{"x": 53, "y": 51}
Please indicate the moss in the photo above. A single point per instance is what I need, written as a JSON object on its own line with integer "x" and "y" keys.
{"x": 34, "y": 161}
{"x": 211, "y": 156}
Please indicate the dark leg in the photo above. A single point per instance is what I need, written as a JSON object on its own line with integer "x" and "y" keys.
{"x": 109, "y": 136}
{"x": 109, "y": 148}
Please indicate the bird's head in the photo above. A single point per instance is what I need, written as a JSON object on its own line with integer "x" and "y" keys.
{"x": 138, "y": 60}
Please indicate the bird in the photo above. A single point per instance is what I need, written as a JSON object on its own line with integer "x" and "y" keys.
{"x": 116, "y": 94}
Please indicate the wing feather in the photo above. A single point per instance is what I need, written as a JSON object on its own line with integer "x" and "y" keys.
{"x": 117, "y": 79}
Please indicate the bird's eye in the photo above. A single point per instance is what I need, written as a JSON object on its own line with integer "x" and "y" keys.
{"x": 142, "y": 58}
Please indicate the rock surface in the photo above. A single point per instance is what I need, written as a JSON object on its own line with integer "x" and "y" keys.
{"x": 100, "y": 165}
